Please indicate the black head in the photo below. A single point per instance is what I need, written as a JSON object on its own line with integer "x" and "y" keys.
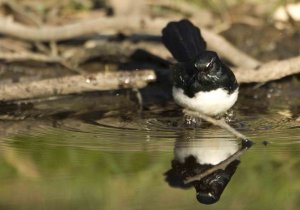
{"x": 210, "y": 188}
{"x": 210, "y": 71}
{"x": 207, "y": 62}
{"x": 207, "y": 72}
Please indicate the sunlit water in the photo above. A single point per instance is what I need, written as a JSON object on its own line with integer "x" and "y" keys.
{"x": 117, "y": 162}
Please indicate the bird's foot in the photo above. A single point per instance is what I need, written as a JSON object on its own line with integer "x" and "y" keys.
{"x": 229, "y": 116}
{"x": 193, "y": 122}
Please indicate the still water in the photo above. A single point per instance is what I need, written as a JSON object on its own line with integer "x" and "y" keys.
{"x": 105, "y": 154}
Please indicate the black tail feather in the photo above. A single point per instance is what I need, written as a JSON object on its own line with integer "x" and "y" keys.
{"x": 183, "y": 40}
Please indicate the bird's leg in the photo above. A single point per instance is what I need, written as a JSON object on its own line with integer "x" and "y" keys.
{"x": 193, "y": 122}
{"x": 229, "y": 116}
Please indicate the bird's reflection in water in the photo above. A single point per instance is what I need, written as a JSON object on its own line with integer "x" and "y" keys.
{"x": 207, "y": 164}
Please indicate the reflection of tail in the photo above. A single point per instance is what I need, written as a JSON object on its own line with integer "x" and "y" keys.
{"x": 183, "y": 40}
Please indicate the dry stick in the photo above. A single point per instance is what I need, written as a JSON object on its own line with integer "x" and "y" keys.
{"x": 62, "y": 32}
{"x": 221, "y": 123}
{"x": 28, "y": 56}
{"x": 270, "y": 71}
{"x": 25, "y": 56}
{"x": 89, "y": 26}
{"x": 181, "y": 6}
{"x": 12, "y": 45}
{"x": 77, "y": 84}
{"x": 220, "y": 166}
{"x": 78, "y": 56}
{"x": 21, "y": 14}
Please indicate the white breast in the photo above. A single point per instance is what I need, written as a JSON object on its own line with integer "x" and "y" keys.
{"x": 206, "y": 151}
{"x": 211, "y": 103}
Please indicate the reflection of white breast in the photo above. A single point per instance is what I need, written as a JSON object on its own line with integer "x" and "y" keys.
{"x": 211, "y": 103}
{"x": 206, "y": 151}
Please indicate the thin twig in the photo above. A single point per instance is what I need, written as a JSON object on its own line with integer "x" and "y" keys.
{"x": 53, "y": 49}
{"x": 25, "y": 56}
{"x": 21, "y": 14}
{"x": 77, "y": 84}
{"x": 221, "y": 123}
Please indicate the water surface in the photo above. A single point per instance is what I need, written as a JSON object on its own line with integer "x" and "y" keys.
{"x": 107, "y": 154}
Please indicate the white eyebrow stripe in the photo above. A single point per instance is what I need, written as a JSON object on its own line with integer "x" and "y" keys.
{"x": 212, "y": 60}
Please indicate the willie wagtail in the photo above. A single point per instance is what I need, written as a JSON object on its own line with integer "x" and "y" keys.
{"x": 202, "y": 82}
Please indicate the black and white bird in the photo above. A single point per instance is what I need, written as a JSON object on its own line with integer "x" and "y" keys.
{"x": 202, "y": 82}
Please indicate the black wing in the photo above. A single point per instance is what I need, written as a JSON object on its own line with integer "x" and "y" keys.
{"x": 183, "y": 40}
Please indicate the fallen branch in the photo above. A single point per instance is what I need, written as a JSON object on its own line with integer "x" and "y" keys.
{"x": 245, "y": 72}
{"x": 270, "y": 71}
{"x": 77, "y": 84}
{"x": 117, "y": 52}
{"x": 109, "y": 25}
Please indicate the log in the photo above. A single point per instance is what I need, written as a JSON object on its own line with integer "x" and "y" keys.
{"x": 77, "y": 84}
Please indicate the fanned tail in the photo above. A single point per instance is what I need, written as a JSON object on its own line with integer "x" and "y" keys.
{"x": 183, "y": 40}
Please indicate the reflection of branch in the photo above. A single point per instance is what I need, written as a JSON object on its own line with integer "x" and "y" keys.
{"x": 23, "y": 164}
{"x": 220, "y": 166}
{"x": 77, "y": 84}
{"x": 246, "y": 144}
{"x": 221, "y": 123}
